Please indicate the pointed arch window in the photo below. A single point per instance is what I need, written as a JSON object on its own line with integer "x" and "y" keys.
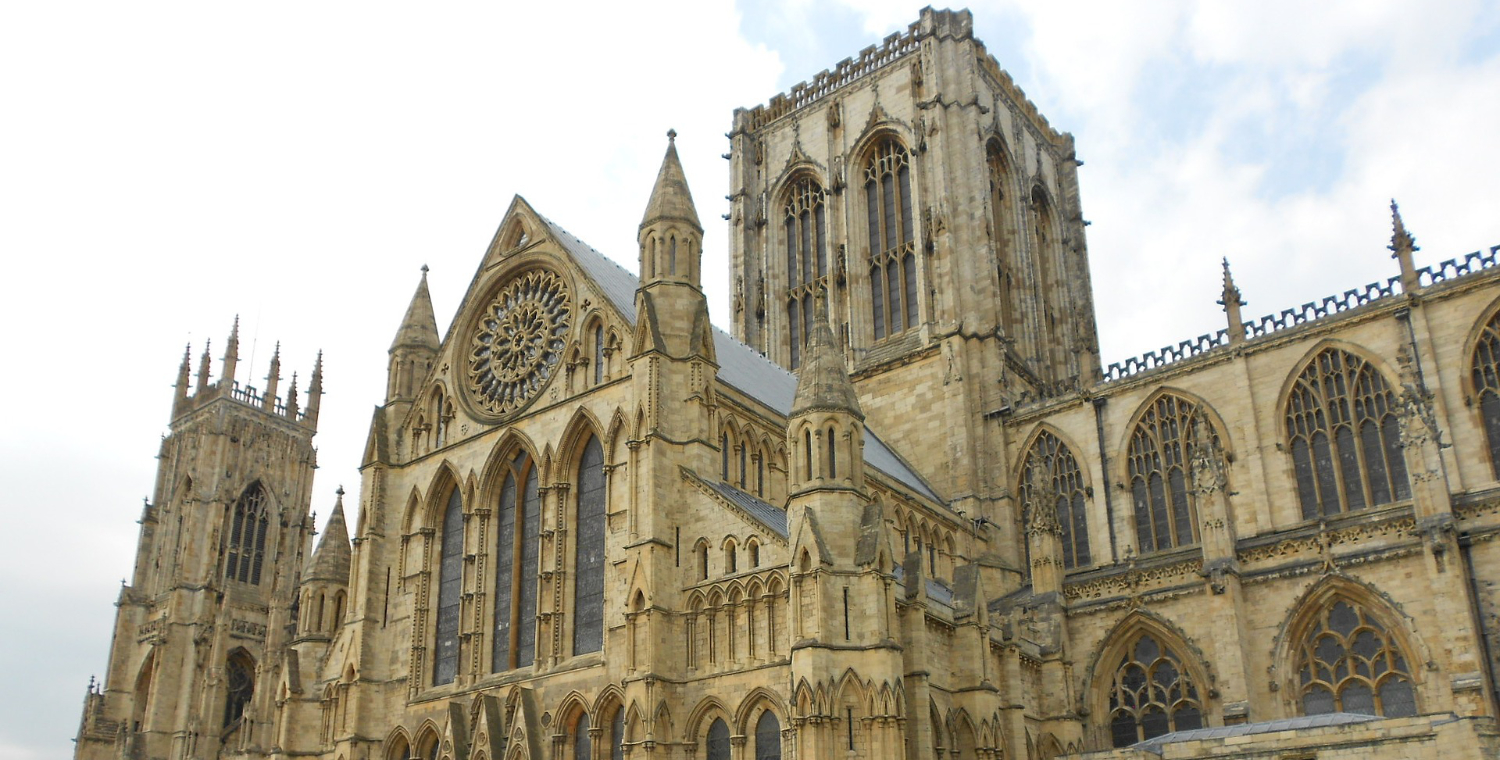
{"x": 450, "y": 590}
{"x": 718, "y": 740}
{"x": 514, "y": 641}
{"x": 1151, "y": 694}
{"x": 617, "y": 735}
{"x": 768, "y": 737}
{"x": 1165, "y": 515}
{"x": 1486, "y": 375}
{"x": 1002, "y": 214}
{"x": 598, "y": 354}
{"x": 806, "y": 237}
{"x": 1052, "y": 480}
{"x": 892, "y": 239}
{"x": 583, "y": 746}
{"x": 1345, "y": 439}
{"x": 588, "y": 565}
{"x": 246, "y": 549}
{"x": 239, "y": 677}
{"x": 1348, "y": 662}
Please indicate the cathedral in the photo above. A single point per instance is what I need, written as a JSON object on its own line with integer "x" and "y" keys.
{"x": 900, "y": 509}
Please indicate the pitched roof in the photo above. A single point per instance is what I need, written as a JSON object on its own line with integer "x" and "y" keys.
{"x": 740, "y": 366}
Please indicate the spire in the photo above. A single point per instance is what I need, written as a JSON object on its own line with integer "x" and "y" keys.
{"x": 203, "y": 367}
{"x": 315, "y": 391}
{"x": 291, "y": 400}
{"x": 1402, "y": 246}
{"x": 273, "y": 380}
{"x": 670, "y": 198}
{"x": 419, "y": 326}
{"x": 1231, "y": 301}
{"x": 232, "y": 352}
{"x": 184, "y": 377}
{"x": 331, "y": 560}
{"x": 823, "y": 384}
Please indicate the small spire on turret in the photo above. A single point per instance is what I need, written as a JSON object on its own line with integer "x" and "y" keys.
{"x": 1231, "y": 301}
{"x": 203, "y": 367}
{"x": 273, "y": 380}
{"x": 232, "y": 352}
{"x": 331, "y": 560}
{"x": 670, "y": 235}
{"x": 315, "y": 391}
{"x": 823, "y": 383}
{"x": 415, "y": 345}
{"x": 184, "y": 377}
{"x": 1402, "y": 246}
{"x": 291, "y": 399}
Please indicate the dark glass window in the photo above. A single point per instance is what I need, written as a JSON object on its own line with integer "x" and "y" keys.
{"x": 1348, "y": 663}
{"x": 1151, "y": 695}
{"x": 588, "y": 568}
{"x": 526, "y": 587}
{"x": 617, "y": 735}
{"x": 513, "y": 624}
{"x": 893, "y": 260}
{"x": 1486, "y": 375}
{"x": 1158, "y": 456}
{"x": 246, "y": 548}
{"x": 583, "y": 746}
{"x": 450, "y": 591}
{"x": 1345, "y": 439}
{"x": 598, "y": 354}
{"x": 239, "y": 675}
{"x": 806, "y": 239}
{"x": 768, "y": 737}
{"x": 718, "y": 740}
{"x": 1051, "y": 480}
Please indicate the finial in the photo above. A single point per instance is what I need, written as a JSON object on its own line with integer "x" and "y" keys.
{"x": 671, "y": 135}
{"x": 1400, "y": 238}
{"x": 1231, "y": 293}
{"x": 340, "y": 491}
{"x": 424, "y": 271}
{"x": 1231, "y": 301}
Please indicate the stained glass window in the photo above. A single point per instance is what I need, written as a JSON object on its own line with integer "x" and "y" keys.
{"x": 530, "y": 508}
{"x": 239, "y": 675}
{"x": 893, "y": 260}
{"x": 450, "y": 590}
{"x": 1487, "y": 386}
{"x": 1165, "y": 515}
{"x": 514, "y": 619}
{"x": 1345, "y": 438}
{"x": 246, "y": 548}
{"x": 1152, "y": 694}
{"x": 1348, "y": 662}
{"x": 1051, "y": 479}
{"x": 768, "y": 737}
{"x": 588, "y": 568}
{"x": 718, "y": 740}
{"x": 806, "y": 238}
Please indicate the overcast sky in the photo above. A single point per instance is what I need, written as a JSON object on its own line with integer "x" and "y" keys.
{"x": 166, "y": 166}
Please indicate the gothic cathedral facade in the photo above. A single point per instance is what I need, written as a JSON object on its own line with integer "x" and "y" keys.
{"x": 899, "y": 510}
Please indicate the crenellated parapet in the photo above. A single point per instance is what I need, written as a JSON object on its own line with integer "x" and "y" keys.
{"x": 290, "y": 407}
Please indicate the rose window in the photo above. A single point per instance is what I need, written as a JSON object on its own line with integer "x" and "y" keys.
{"x": 518, "y": 341}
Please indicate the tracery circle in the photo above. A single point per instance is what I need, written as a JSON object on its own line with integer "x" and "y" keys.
{"x": 518, "y": 341}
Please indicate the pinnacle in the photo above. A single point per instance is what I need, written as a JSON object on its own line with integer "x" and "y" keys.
{"x": 823, "y": 384}
{"x": 419, "y": 326}
{"x": 670, "y": 197}
{"x": 331, "y": 561}
{"x": 1401, "y": 240}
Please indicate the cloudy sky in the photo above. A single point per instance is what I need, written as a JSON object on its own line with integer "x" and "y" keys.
{"x": 166, "y": 166}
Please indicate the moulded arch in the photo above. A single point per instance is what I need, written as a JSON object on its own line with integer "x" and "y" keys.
{"x": 662, "y": 722}
{"x": 756, "y": 701}
{"x": 429, "y": 740}
{"x": 1113, "y": 645}
{"x": 442, "y": 484}
{"x": 1215, "y": 420}
{"x": 702, "y": 715}
{"x": 413, "y": 515}
{"x": 398, "y": 744}
{"x": 582, "y": 427}
{"x": 1085, "y": 464}
{"x": 497, "y": 465}
{"x": 1388, "y": 373}
{"x": 634, "y": 731}
{"x": 614, "y": 437}
{"x": 609, "y": 696}
{"x": 1490, "y": 312}
{"x": 798, "y": 168}
{"x": 569, "y": 709}
{"x": 875, "y": 134}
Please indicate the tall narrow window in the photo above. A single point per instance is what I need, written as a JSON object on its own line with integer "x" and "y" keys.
{"x": 450, "y": 591}
{"x": 893, "y": 259}
{"x": 516, "y": 566}
{"x": 1152, "y": 694}
{"x": 1486, "y": 374}
{"x": 583, "y": 746}
{"x": 598, "y": 354}
{"x": 718, "y": 740}
{"x": 832, "y": 466}
{"x": 768, "y": 737}
{"x": 1345, "y": 438}
{"x": 1051, "y": 480}
{"x": 806, "y": 238}
{"x": 1348, "y": 662}
{"x": 588, "y": 566}
{"x": 246, "y": 549}
{"x": 617, "y": 735}
{"x": 1002, "y": 219}
{"x": 239, "y": 676}
{"x": 724, "y": 457}
{"x": 1165, "y": 515}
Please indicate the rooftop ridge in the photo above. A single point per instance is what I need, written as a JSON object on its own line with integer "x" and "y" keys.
{"x": 1312, "y": 311}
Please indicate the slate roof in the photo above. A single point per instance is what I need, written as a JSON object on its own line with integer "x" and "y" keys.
{"x": 740, "y": 366}
{"x": 1155, "y": 745}
{"x": 773, "y": 517}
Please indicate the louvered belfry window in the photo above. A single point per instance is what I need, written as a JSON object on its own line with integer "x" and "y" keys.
{"x": 1487, "y": 386}
{"x": 450, "y": 591}
{"x": 806, "y": 237}
{"x": 1051, "y": 478}
{"x": 588, "y": 566}
{"x": 1348, "y": 662}
{"x": 1152, "y": 694}
{"x": 1345, "y": 439}
{"x": 515, "y": 565}
{"x": 892, "y": 239}
{"x": 246, "y": 548}
{"x": 1160, "y": 446}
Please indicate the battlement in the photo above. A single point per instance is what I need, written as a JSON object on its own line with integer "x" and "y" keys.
{"x": 1272, "y": 324}
{"x": 227, "y": 387}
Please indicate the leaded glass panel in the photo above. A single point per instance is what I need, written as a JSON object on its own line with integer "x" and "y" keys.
{"x": 530, "y": 509}
{"x": 588, "y": 568}
{"x": 583, "y": 746}
{"x": 246, "y": 548}
{"x": 1486, "y": 377}
{"x": 1151, "y": 694}
{"x": 450, "y": 591}
{"x": 806, "y": 240}
{"x": 893, "y": 264}
{"x": 1165, "y": 515}
{"x": 1052, "y": 480}
{"x": 1348, "y": 662}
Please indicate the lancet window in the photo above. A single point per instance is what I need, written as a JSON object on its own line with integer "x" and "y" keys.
{"x": 239, "y": 676}
{"x": 1486, "y": 375}
{"x": 583, "y": 746}
{"x": 450, "y": 591}
{"x": 1348, "y": 662}
{"x": 1052, "y": 485}
{"x": 768, "y": 737}
{"x": 1345, "y": 437}
{"x": 1151, "y": 694}
{"x": 1002, "y": 212}
{"x": 248, "y": 523}
{"x": 892, "y": 239}
{"x": 718, "y": 740}
{"x": 514, "y": 644}
{"x": 588, "y": 566}
{"x": 1158, "y": 458}
{"x": 617, "y": 735}
{"x": 806, "y": 230}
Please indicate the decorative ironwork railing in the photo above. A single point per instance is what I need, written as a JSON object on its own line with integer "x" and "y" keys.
{"x": 1350, "y": 299}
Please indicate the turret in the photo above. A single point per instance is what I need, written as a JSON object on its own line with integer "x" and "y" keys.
{"x": 825, "y": 431}
{"x": 324, "y": 594}
{"x": 670, "y": 236}
{"x": 415, "y": 347}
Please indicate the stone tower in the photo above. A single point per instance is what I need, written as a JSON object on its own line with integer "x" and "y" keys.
{"x": 203, "y": 624}
{"x": 938, "y": 212}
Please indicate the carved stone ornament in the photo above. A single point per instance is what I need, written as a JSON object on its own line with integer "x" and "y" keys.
{"x": 518, "y": 341}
